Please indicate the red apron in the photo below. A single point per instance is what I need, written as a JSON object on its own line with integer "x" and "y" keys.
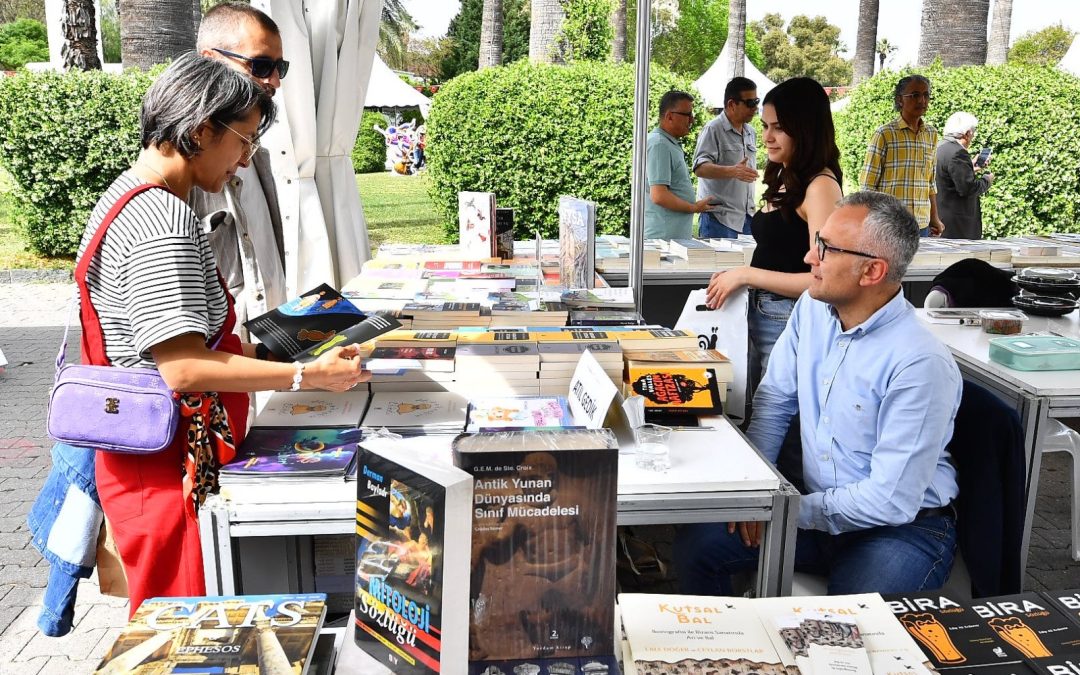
{"x": 156, "y": 533}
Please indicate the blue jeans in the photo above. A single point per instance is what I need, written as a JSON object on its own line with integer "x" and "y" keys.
{"x": 925, "y": 232}
{"x": 766, "y": 318}
{"x": 901, "y": 559}
{"x": 711, "y": 228}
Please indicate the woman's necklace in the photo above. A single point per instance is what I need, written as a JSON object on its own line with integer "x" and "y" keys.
{"x": 156, "y": 173}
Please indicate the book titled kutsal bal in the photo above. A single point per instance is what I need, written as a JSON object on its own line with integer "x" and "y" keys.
{"x": 428, "y": 412}
{"x": 949, "y": 631}
{"x": 504, "y": 233}
{"x": 309, "y": 409}
{"x": 269, "y": 453}
{"x": 227, "y": 634}
{"x": 519, "y": 412}
{"x": 577, "y": 237}
{"x": 1030, "y": 624}
{"x": 676, "y": 390}
{"x": 312, "y": 320}
{"x": 696, "y": 634}
{"x": 543, "y": 538}
{"x": 412, "y": 560}
{"x": 476, "y": 224}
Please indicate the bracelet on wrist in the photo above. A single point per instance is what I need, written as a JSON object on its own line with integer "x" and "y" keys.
{"x": 298, "y": 376}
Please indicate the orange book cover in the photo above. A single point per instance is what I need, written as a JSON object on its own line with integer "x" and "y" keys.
{"x": 683, "y": 390}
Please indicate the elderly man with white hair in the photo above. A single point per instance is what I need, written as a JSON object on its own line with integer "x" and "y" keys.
{"x": 959, "y": 188}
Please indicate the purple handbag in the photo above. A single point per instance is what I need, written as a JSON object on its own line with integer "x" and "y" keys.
{"x": 102, "y": 407}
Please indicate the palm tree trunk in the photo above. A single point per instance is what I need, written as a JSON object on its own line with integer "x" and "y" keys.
{"x": 618, "y": 22}
{"x": 998, "y": 49}
{"x": 491, "y": 34}
{"x": 547, "y": 18}
{"x": 736, "y": 38}
{"x": 955, "y": 30}
{"x": 154, "y": 31}
{"x": 865, "y": 41}
{"x": 79, "y": 28}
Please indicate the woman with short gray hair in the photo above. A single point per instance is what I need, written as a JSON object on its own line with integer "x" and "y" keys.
{"x": 156, "y": 300}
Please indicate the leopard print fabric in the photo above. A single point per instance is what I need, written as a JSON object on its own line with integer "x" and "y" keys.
{"x": 208, "y": 439}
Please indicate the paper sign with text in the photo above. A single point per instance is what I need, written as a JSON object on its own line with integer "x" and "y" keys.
{"x": 591, "y": 392}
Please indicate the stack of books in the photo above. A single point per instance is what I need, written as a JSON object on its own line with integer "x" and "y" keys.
{"x": 515, "y": 309}
{"x": 416, "y": 412}
{"x": 445, "y": 315}
{"x": 697, "y": 254}
{"x": 559, "y": 359}
{"x": 679, "y": 382}
{"x": 605, "y": 317}
{"x": 273, "y": 454}
{"x": 651, "y": 339}
{"x": 599, "y": 298}
{"x": 491, "y": 367}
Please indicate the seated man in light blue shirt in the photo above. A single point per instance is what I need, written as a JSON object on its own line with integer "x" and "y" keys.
{"x": 670, "y": 208}
{"x": 877, "y": 395}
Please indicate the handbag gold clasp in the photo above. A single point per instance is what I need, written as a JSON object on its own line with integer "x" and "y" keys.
{"x": 112, "y": 405}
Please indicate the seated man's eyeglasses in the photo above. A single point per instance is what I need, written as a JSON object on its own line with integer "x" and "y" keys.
{"x": 252, "y": 146}
{"x": 260, "y": 66}
{"x": 823, "y": 246}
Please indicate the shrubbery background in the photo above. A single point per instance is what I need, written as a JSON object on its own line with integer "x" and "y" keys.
{"x": 1029, "y": 115}
{"x": 369, "y": 153}
{"x": 530, "y": 133}
{"x": 64, "y": 137}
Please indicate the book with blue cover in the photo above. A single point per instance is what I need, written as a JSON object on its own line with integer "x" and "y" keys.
{"x": 273, "y": 452}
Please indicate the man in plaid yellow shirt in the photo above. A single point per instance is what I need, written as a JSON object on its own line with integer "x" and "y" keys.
{"x": 900, "y": 159}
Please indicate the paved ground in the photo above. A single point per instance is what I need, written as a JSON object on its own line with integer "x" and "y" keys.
{"x": 31, "y": 326}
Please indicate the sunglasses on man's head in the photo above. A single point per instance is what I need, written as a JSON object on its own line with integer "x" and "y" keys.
{"x": 260, "y": 66}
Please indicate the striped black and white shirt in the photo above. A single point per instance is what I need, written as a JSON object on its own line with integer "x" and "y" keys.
{"x": 154, "y": 276}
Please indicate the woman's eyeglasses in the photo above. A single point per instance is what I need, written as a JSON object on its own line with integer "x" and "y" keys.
{"x": 917, "y": 95}
{"x": 823, "y": 246}
{"x": 252, "y": 146}
{"x": 260, "y": 66}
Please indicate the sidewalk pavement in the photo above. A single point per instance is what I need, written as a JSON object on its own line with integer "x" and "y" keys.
{"x": 32, "y": 317}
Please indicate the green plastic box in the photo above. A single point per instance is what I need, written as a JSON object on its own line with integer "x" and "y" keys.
{"x": 1036, "y": 352}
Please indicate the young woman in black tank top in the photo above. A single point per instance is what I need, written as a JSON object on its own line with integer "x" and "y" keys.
{"x": 802, "y": 180}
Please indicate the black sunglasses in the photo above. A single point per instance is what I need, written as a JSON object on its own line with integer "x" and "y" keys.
{"x": 823, "y": 246}
{"x": 261, "y": 66}
{"x": 750, "y": 102}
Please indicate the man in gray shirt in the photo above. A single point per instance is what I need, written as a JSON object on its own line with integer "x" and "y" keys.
{"x": 670, "y": 208}
{"x": 725, "y": 163}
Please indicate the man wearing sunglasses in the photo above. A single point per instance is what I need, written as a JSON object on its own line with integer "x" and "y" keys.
{"x": 725, "y": 162}
{"x": 901, "y": 159}
{"x": 247, "y": 233}
{"x": 877, "y": 395}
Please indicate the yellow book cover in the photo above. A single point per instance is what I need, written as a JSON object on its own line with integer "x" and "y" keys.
{"x": 683, "y": 390}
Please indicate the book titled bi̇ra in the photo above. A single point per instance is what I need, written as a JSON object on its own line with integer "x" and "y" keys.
{"x": 412, "y": 555}
{"x": 543, "y": 542}
{"x": 229, "y": 634}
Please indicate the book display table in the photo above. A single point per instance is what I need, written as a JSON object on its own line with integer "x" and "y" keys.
{"x": 1037, "y": 396}
{"x": 716, "y": 476}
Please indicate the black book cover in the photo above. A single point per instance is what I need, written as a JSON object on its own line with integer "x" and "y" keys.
{"x": 504, "y": 233}
{"x": 543, "y": 542}
{"x": 1067, "y": 602}
{"x": 1059, "y": 664}
{"x": 295, "y": 329}
{"x": 1029, "y": 624}
{"x": 950, "y": 632}
{"x": 368, "y": 329}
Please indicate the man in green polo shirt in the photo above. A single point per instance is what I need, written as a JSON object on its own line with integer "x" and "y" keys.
{"x": 670, "y": 209}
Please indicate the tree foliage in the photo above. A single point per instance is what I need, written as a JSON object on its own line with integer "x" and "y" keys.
{"x": 462, "y": 53}
{"x": 1044, "y": 47}
{"x": 11, "y": 10}
{"x": 697, "y": 34}
{"x": 1028, "y": 114}
{"x": 110, "y": 32}
{"x": 586, "y": 32}
{"x": 530, "y": 133}
{"x": 64, "y": 137}
{"x": 808, "y": 47}
{"x": 22, "y": 41}
{"x": 369, "y": 152}
{"x": 395, "y": 26}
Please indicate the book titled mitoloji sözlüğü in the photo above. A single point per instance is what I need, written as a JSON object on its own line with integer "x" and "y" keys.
{"x": 302, "y": 328}
{"x": 229, "y": 635}
{"x": 543, "y": 542}
{"x": 412, "y": 560}
{"x": 272, "y": 453}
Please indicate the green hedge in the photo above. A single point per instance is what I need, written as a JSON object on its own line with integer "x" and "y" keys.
{"x": 64, "y": 137}
{"x": 369, "y": 153}
{"x": 530, "y": 133}
{"x": 1030, "y": 115}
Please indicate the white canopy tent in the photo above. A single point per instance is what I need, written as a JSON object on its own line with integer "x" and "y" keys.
{"x": 330, "y": 45}
{"x": 386, "y": 90}
{"x": 711, "y": 84}
{"x": 1070, "y": 63}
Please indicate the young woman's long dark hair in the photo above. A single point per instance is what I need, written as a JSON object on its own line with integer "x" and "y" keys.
{"x": 802, "y": 110}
